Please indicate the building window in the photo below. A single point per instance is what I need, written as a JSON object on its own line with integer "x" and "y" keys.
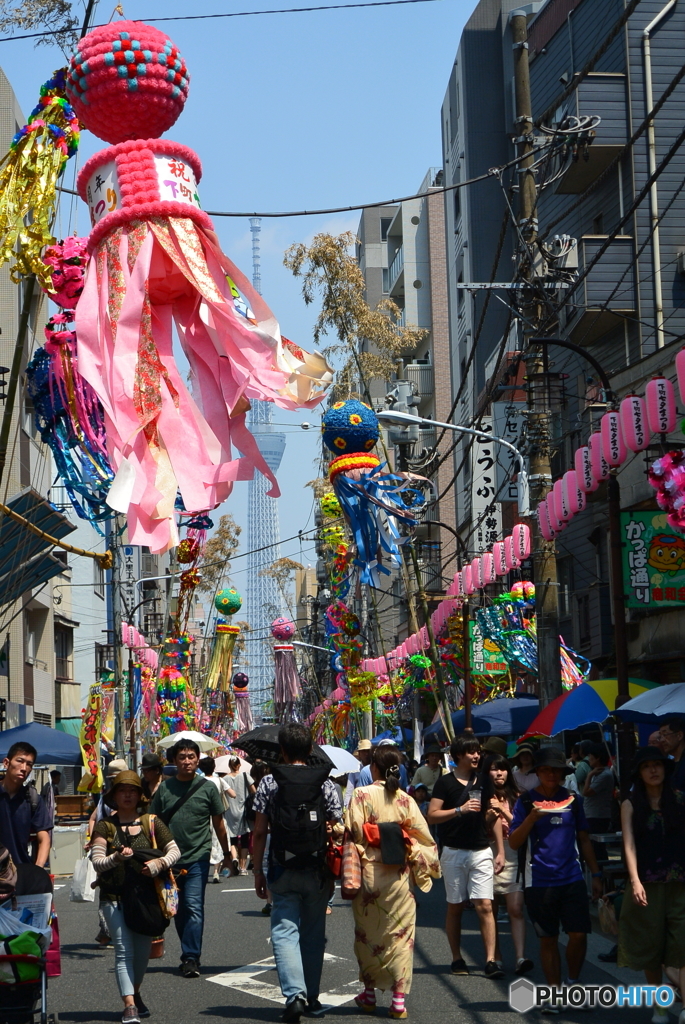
{"x": 457, "y": 206}
{"x": 104, "y": 660}
{"x": 584, "y": 631}
{"x": 386, "y": 280}
{"x": 565, "y": 572}
{"x": 64, "y": 645}
{"x": 98, "y": 580}
{"x": 385, "y": 227}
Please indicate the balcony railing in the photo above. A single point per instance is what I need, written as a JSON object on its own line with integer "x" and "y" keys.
{"x": 421, "y": 374}
{"x": 396, "y": 267}
{"x": 431, "y": 576}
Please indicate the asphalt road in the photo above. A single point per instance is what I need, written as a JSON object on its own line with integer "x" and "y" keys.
{"x": 239, "y": 982}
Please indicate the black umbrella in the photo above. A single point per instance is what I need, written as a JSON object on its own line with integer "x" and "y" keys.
{"x": 262, "y": 744}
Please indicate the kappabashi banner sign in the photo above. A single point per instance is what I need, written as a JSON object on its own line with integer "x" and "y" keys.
{"x": 653, "y": 561}
{"x": 486, "y": 657}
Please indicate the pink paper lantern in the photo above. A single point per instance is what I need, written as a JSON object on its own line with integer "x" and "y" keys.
{"x": 458, "y": 584}
{"x": 613, "y": 445}
{"x": 661, "y": 414}
{"x": 556, "y": 524}
{"x": 423, "y": 638}
{"x": 477, "y": 572}
{"x": 498, "y": 558}
{"x": 584, "y": 475}
{"x": 521, "y": 538}
{"x": 510, "y": 559}
{"x": 680, "y": 370}
{"x": 543, "y": 522}
{"x": 600, "y": 467}
{"x": 467, "y": 580}
{"x": 488, "y": 568}
{"x": 561, "y": 506}
{"x": 634, "y": 424}
{"x": 572, "y": 492}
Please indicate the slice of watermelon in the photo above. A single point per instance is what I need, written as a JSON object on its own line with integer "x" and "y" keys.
{"x": 553, "y": 806}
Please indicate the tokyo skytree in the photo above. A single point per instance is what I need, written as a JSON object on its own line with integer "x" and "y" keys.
{"x": 262, "y": 599}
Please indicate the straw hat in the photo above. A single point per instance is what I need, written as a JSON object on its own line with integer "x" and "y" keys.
{"x": 126, "y": 778}
{"x": 116, "y": 766}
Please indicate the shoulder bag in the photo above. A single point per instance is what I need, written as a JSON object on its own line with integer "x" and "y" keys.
{"x": 351, "y": 869}
{"x": 139, "y": 902}
{"x": 165, "y": 883}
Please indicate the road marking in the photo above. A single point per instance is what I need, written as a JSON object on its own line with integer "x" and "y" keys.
{"x": 56, "y": 887}
{"x": 238, "y": 890}
{"x": 245, "y": 979}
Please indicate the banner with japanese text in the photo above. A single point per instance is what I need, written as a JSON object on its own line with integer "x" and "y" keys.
{"x": 486, "y": 657}
{"x": 91, "y": 728}
{"x": 653, "y": 561}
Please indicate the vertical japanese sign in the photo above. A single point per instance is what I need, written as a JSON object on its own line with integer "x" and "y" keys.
{"x": 130, "y": 573}
{"x": 507, "y": 423}
{"x": 653, "y": 561}
{"x": 486, "y": 512}
{"x": 91, "y": 727}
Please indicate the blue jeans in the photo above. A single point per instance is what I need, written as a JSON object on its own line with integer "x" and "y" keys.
{"x": 131, "y": 950}
{"x": 298, "y": 931}
{"x": 190, "y": 919}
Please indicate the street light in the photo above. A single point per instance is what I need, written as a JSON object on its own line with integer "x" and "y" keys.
{"x": 391, "y": 416}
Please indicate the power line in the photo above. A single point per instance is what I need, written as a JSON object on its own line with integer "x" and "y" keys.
{"x": 493, "y": 172}
{"x": 231, "y": 14}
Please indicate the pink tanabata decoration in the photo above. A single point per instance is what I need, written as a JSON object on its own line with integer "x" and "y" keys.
{"x": 600, "y": 467}
{"x": 661, "y": 412}
{"x": 488, "y": 568}
{"x": 634, "y": 425}
{"x": 521, "y": 540}
{"x": 155, "y": 264}
{"x": 556, "y": 524}
{"x": 282, "y": 628}
{"x": 477, "y": 572}
{"x": 467, "y": 576}
{"x": 499, "y": 559}
{"x": 584, "y": 475}
{"x": 613, "y": 445}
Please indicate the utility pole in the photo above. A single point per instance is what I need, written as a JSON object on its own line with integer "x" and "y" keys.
{"x": 544, "y": 554}
{"x": 119, "y": 700}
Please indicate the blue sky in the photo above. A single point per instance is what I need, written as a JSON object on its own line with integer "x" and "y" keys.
{"x": 291, "y": 112}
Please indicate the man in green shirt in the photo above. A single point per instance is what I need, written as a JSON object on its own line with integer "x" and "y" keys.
{"x": 190, "y": 805}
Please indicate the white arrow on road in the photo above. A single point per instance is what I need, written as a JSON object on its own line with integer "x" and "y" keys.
{"x": 246, "y": 979}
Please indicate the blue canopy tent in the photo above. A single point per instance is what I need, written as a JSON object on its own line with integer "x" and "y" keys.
{"x": 395, "y": 735}
{"x": 53, "y": 746}
{"x": 504, "y": 716}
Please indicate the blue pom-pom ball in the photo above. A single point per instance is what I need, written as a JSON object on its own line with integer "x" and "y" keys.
{"x": 350, "y": 427}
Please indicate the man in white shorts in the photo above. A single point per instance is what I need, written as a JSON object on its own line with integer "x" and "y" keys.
{"x": 467, "y": 861}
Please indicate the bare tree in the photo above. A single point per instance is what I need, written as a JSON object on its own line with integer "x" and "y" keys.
{"x": 370, "y": 340}
{"x": 219, "y": 550}
{"x": 54, "y": 16}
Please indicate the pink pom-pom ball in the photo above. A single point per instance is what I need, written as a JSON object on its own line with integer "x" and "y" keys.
{"x": 282, "y": 629}
{"x": 127, "y": 80}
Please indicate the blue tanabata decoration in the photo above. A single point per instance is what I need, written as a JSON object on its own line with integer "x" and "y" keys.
{"x": 350, "y": 427}
{"x": 84, "y": 471}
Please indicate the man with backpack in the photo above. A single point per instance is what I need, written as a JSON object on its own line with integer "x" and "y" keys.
{"x": 548, "y": 827}
{"x": 296, "y": 802}
{"x": 188, "y": 804}
{"x": 23, "y": 814}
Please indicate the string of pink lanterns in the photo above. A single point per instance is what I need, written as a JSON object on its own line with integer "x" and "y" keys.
{"x": 483, "y": 570}
{"x": 131, "y": 638}
{"x": 623, "y": 431}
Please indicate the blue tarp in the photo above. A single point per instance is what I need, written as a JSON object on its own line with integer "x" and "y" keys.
{"x": 53, "y": 746}
{"x": 504, "y": 716}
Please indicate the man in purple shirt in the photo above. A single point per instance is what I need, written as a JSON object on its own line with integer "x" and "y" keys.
{"x": 554, "y": 887}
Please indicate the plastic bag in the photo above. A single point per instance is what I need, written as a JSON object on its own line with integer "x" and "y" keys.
{"x": 82, "y": 882}
{"x": 11, "y": 925}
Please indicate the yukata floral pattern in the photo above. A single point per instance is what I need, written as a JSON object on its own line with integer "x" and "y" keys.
{"x": 385, "y": 909}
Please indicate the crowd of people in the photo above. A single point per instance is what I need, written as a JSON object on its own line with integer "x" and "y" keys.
{"x": 511, "y": 833}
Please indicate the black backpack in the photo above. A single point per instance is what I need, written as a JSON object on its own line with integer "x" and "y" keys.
{"x": 298, "y": 822}
{"x": 527, "y": 801}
